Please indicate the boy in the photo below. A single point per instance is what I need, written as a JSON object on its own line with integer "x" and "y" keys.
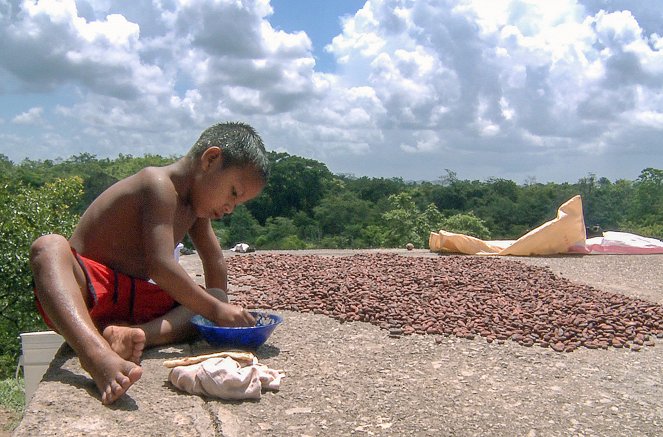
{"x": 93, "y": 288}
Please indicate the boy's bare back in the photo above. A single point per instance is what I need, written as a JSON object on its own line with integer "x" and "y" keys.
{"x": 112, "y": 230}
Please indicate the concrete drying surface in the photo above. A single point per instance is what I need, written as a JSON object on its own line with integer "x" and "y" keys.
{"x": 354, "y": 379}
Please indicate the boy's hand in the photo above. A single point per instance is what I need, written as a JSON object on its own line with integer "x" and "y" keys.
{"x": 232, "y": 315}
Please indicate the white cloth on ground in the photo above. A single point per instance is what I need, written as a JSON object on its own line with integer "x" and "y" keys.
{"x": 619, "y": 243}
{"x": 225, "y": 378}
{"x": 241, "y": 248}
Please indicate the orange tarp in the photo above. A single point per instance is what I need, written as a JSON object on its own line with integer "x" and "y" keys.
{"x": 554, "y": 237}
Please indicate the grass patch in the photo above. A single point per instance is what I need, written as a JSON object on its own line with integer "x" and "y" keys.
{"x": 12, "y": 396}
{"x": 12, "y": 401}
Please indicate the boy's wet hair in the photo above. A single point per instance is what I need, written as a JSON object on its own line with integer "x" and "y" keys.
{"x": 240, "y": 145}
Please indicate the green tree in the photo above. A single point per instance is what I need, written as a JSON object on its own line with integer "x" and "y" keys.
{"x": 373, "y": 189}
{"x": 6, "y": 168}
{"x": 405, "y": 223}
{"x": 400, "y": 221}
{"x": 279, "y": 233}
{"x": 308, "y": 228}
{"x": 336, "y": 213}
{"x": 243, "y": 227}
{"x": 374, "y": 236}
{"x": 25, "y": 214}
{"x": 646, "y": 213}
{"x": 295, "y": 184}
{"x": 605, "y": 203}
{"x": 467, "y": 224}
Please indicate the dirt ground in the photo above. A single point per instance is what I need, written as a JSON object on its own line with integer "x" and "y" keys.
{"x": 7, "y": 420}
{"x": 354, "y": 379}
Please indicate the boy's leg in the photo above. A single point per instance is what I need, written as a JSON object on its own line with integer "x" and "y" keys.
{"x": 61, "y": 288}
{"x": 172, "y": 327}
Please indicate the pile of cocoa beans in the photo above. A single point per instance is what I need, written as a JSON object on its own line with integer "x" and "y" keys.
{"x": 463, "y": 296}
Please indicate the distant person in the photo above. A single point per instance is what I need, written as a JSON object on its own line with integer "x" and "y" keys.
{"x": 115, "y": 287}
{"x": 593, "y": 231}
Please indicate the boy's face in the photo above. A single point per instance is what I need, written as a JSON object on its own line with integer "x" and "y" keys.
{"x": 220, "y": 190}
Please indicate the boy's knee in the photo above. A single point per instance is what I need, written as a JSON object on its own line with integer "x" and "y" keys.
{"x": 47, "y": 245}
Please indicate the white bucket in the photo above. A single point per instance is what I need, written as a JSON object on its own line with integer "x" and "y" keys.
{"x": 39, "y": 348}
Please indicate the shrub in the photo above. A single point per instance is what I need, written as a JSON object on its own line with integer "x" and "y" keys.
{"x": 467, "y": 224}
{"x": 25, "y": 214}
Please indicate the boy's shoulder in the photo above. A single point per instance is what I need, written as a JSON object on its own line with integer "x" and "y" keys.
{"x": 152, "y": 181}
{"x": 152, "y": 171}
{"x": 153, "y": 178}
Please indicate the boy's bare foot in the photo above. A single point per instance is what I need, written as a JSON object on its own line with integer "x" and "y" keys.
{"x": 112, "y": 374}
{"x": 126, "y": 341}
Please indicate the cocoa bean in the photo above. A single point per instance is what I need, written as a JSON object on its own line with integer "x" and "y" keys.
{"x": 448, "y": 295}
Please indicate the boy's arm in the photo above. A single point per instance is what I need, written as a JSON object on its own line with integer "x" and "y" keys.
{"x": 159, "y": 211}
{"x": 211, "y": 255}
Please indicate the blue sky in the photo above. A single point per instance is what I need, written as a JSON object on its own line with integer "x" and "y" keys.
{"x": 320, "y": 19}
{"x": 524, "y": 90}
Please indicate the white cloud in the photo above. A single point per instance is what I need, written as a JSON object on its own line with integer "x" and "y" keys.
{"x": 510, "y": 87}
{"x": 49, "y": 45}
{"x": 425, "y": 141}
{"x": 116, "y": 31}
{"x": 31, "y": 116}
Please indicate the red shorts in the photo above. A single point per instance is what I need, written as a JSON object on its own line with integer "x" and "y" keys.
{"x": 118, "y": 298}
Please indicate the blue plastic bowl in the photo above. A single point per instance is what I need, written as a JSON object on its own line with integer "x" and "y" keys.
{"x": 251, "y": 337}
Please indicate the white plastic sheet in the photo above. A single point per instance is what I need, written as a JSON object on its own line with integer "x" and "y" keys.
{"x": 619, "y": 243}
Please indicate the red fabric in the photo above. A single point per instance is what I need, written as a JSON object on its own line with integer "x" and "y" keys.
{"x": 116, "y": 300}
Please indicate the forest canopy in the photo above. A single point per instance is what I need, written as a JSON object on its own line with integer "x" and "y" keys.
{"x": 304, "y": 205}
